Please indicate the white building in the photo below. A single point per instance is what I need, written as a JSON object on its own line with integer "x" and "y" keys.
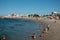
{"x": 17, "y": 16}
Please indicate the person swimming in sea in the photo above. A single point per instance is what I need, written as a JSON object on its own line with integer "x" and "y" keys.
{"x": 33, "y": 36}
{"x": 4, "y": 36}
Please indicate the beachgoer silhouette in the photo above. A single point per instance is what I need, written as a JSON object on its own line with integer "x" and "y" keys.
{"x": 48, "y": 27}
{"x": 33, "y": 36}
{"x": 4, "y": 36}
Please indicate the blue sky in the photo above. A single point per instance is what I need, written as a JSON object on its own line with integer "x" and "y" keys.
{"x": 28, "y": 6}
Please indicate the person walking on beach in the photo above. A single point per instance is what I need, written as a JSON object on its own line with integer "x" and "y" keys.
{"x": 48, "y": 27}
{"x": 34, "y": 36}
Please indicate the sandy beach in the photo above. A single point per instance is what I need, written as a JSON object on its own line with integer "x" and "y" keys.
{"x": 54, "y": 29}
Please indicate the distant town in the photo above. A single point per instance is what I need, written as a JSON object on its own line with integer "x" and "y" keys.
{"x": 53, "y": 15}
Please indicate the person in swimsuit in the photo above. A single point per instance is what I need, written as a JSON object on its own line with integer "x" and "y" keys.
{"x": 34, "y": 36}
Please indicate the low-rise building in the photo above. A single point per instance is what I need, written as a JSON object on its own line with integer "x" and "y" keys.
{"x": 16, "y": 16}
{"x": 56, "y": 15}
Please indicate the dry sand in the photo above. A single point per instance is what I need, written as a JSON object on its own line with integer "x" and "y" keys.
{"x": 54, "y": 31}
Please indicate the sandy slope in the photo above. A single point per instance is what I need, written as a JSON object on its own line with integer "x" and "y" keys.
{"x": 54, "y": 31}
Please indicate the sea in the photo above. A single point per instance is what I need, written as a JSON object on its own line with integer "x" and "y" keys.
{"x": 19, "y": 29}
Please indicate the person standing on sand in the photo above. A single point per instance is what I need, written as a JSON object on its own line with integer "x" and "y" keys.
{"x": 47, "y": 28}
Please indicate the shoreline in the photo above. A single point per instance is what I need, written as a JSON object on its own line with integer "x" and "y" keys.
{"x": 54, "y": 29}
{"x": 53, "y": 33}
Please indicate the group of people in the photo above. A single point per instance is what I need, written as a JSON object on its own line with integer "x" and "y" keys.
{"x": 45, "y": 31}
